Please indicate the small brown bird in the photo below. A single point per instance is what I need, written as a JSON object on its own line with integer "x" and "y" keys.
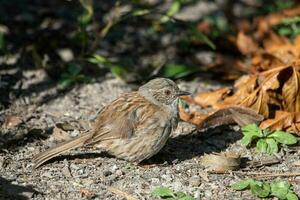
{"x": 133, "y": 127}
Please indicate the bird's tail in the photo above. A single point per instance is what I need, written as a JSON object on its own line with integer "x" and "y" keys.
{"x": 61, "y": 148}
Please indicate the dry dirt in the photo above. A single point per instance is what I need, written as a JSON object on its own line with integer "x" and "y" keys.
{"x": 90, "y": 173}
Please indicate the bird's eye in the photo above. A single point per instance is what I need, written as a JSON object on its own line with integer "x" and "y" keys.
{"x": 167, "y": 92}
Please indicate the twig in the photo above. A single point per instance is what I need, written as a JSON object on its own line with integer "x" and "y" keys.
{"x": 256, "y": 164}
{"x": 260, "y": 174}
{"x": 278, "y": 175}
{"x": 121, "y": 193}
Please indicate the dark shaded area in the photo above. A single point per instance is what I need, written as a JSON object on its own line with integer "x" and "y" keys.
{"x": 13, "y": 143}
{"x": 194, "y": 145}
{"x": 34, "y": 32}
{"x": 8, "y": 190}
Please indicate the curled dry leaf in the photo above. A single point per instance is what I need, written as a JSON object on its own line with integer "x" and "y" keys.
{"x": 243, "y": 87}
{"x": 291, "y": 91}
{"x": 234, "y": 114}
{"x": 229, "y": 115}
{"x": 289, "y": 121}
{"x": 221, "y": 162}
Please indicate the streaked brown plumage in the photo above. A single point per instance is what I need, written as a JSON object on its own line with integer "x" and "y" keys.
{"x": 133, "y": 127}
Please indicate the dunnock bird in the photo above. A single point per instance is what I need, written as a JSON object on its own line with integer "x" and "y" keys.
{"x": 133, "y": 127}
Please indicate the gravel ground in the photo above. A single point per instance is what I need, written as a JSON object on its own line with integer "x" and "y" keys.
{"x": 90, "y": 173}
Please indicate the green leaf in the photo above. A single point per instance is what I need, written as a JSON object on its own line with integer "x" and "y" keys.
{"x": 140, "y": 12}
{"x": 241, "y": 185}
{"x": 291, "y": 196}
{"x": 272, "y": 146}
{"x": 174, "y": 8}
{"x": 86, "y": 17}
{"x": 177, "y": 70}
{"x": 246, "y": 140}
{"x": 2, "y": 41}
{"x": 291, "y": 20}
{"x": 280, "y": 189}
{"x": 183, "y": 196}
{"x": 118, "y": 70}
{"x": 285, "y": 31}
{"x": 183, "y": 104}
{"x": 284, "y": 137}
{"x": 187, "y": 198}
{"x": 64, "y": 83}
{"x": 74, "y": 69}
{"x": 163, "y": 192}
{"x": 250, "y": 133}
{"x": 261, "y": 190}
{"x": 262, "y": 145}
{"x": 252, "y": 129}
{"x": 98, "y": 59}
{"x": 197, "y": 35}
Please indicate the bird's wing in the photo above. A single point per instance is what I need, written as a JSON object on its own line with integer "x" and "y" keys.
{"x": 119, "y": 119}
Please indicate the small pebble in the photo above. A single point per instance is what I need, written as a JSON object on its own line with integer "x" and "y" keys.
{"x": 167, "y": 177}
{"x": 155, "y": 181}
{"x": 195, "y": 181}
{"x": 208, "y": 193}
{"x": 74, "y": 133}
{"x": 119, "y": 172}
{"x": 114, "y": 168}
{"x": 177, "y": 185}
{"x": 107, "y": 173}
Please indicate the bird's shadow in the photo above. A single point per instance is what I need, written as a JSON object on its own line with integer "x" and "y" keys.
{"x": 84, "y": 155}
{"x": 186, "y": 147}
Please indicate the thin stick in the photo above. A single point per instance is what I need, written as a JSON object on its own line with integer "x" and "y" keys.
{"x": 278, "y": 175}
{"x": 261, "y": 174}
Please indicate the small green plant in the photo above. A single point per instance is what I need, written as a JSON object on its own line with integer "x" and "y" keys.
{"x": 2, "y": 42}
{"x": 81, "y": 36}
{"x": 73, "y": 75}
{"x": 280, "y": 189}
{"x": 115, "y": 68}
{"x": 276, "y": 6}
{"x": 178, "y": 70}
{"x": 219, "y": 25}
{"x": 266, "y": 141}
{"x": 289, "y": 27}
{"x": 173, "y": 9}
{"x": 167, "y": 193}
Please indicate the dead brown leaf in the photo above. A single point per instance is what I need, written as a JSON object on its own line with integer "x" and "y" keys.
{"x": 221, "y": 162}
{"x": 193, "y": 118}
{"x": 289, "y": 121}
{"x": 243, "y": 87}
{"x": 246, "y": 44}
{"x": 234, "y": 114}
{"x": 291, "y": 92}
{"x": 206, "y": 99}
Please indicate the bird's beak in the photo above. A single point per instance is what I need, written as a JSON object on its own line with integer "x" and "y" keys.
{"x": 183, "y": 93}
